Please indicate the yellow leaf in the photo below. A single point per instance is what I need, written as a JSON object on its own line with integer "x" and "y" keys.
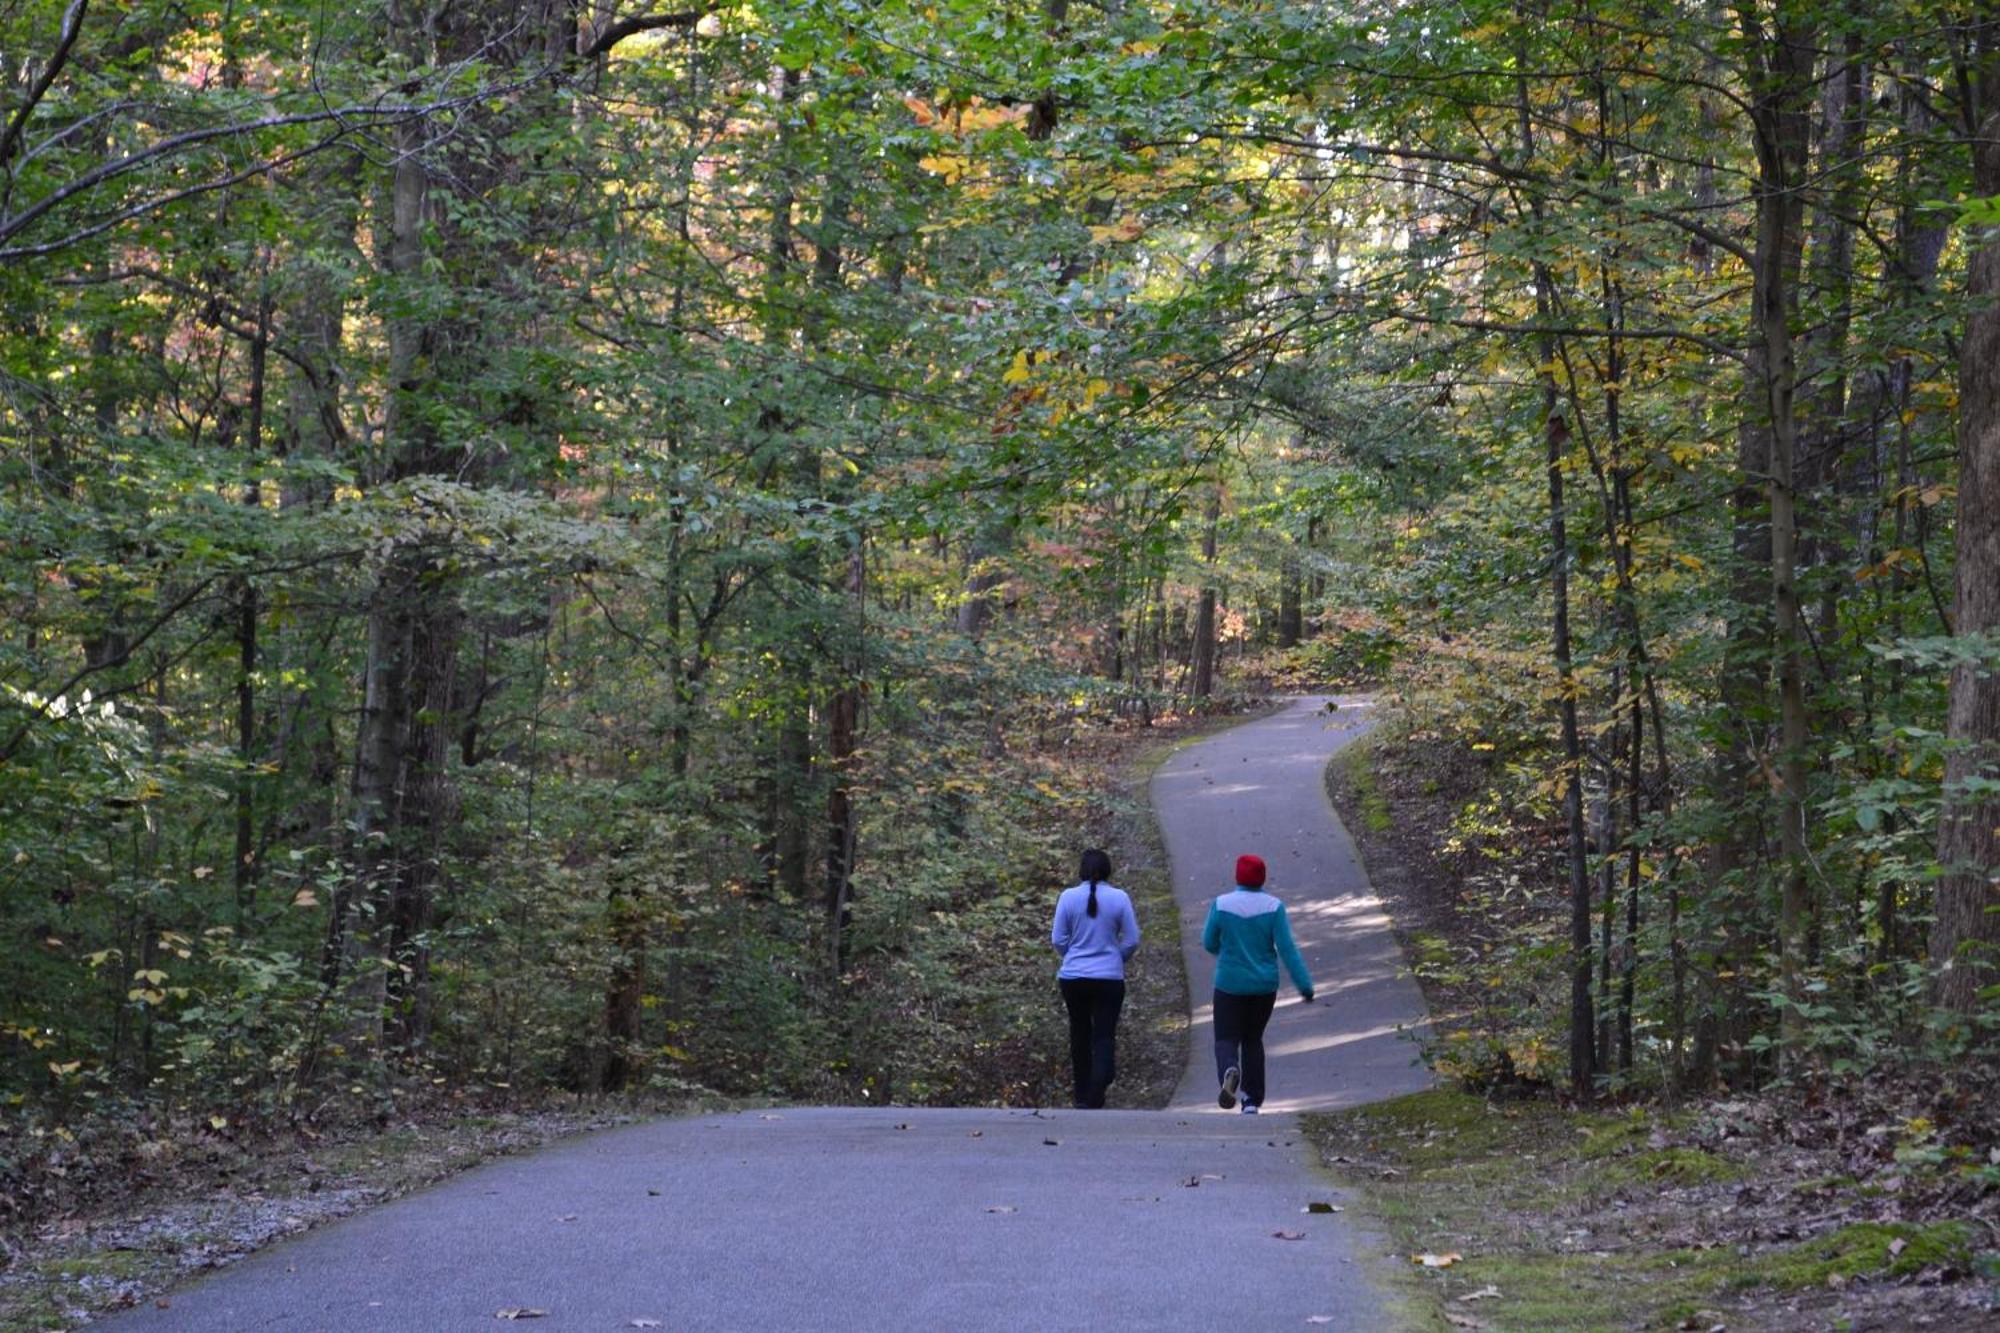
{"x": 947, "y": 165}
{"x": 1125, "y": 229}
{"x": 1690, "y": 561}
{"x": 1093, "y": 391}
{"x": 991, "y": 117}
{"x": 1018, "y": 372}
{"x": 1435, "y": 1260}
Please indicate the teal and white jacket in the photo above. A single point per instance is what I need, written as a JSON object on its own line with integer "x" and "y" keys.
{"x": 1248, "y": 932}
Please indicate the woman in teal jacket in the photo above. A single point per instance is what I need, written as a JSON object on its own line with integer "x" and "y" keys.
{"x": 1248, "y": 932}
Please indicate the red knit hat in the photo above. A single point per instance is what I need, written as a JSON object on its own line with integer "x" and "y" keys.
{"x": 1250, "y": 871}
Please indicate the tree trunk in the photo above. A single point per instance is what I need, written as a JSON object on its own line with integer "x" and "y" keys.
{"x": 1781, "y": 79}
{"x": 1204, "y": 616}
{"x": 1965, "y": 935}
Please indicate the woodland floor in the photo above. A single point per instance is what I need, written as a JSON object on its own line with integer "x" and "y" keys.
{"x": 1778, "y": 1211}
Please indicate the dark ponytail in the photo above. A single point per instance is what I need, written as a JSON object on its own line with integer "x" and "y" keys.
{"x": 1096, "y": 867}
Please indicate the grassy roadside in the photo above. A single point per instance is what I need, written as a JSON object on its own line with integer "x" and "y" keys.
{"x": 1544, "y": 1218}
{"x": 1745, "y": 1213}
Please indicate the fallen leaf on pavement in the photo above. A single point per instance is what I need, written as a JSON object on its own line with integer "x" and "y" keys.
{"x": 1485, "y": 1293}
{"x": 1435, "y": 1260}
{"x": 975, "y": 1134}
{"x": 521, "y": 1313}
{"x": 1289, "y": 1235}
{"x": 1462, "y": 1320}
{"x": 1319, "y": 1319}
{"x": 643, "y": 1323}
{"x": 1051, "y": 1143}
{"x": 1003, "y": 1208}
{"x": 567, "y": 1217}
{"x": 1318, "y": 1207}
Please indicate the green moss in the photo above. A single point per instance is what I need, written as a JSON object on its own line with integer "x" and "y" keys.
{"x": 107, "y": 1263}
{"x": 1444, "y": 1127}
{"x": 1664, "y": 1166}
{"x": 1858, "y": 1250}
{"x": 1359, "y": 764}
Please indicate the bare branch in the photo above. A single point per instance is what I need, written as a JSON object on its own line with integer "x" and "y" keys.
{"x": 72, "y": 24}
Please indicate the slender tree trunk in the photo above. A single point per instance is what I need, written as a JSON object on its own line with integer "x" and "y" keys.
{"x": 245, "y": 867}
{"x": 1204, "y": 616}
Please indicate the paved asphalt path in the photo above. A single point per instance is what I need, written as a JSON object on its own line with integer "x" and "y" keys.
{"x": 834, "y": 1219}
{"x": 1260, "y": 788}
{"x": 890, "y": 1219}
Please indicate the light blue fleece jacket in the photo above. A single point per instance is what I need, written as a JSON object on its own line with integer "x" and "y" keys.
{"x": 1094, "y": 946}
{"x": 1248, "y": 932}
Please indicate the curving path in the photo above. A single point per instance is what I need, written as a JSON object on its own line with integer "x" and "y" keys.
{"x": 890, "y": 1219}
{"x": 1261, "y": 788}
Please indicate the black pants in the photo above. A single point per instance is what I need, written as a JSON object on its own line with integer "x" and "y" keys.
{"x": 1093, "y": 1006}
{"x": 1239, "y": 1039}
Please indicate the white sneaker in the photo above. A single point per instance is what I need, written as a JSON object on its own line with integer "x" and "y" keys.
{"x": 1249, "y": 1108}
{"x": 1230, "y": 1078}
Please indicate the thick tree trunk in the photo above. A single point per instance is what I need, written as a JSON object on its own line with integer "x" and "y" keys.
{"x": 1291, "y": 602}
{"x": 1965, "y": 934}
{"x": 1782, "y": 119}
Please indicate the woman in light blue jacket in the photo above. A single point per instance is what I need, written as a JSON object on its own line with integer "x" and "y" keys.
{"x": 1095, "y": 932}
{"x": 1249, "y": 933}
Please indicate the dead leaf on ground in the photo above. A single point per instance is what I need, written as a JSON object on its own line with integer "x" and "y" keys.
{"x": 1319, "y": 1319}
{"x": 1461, "y": 1320}
{"x": 566, "y": 1217}
{"x": 1318, "y": 1207}
{"x": 643, "y": 1323}
{"x": 1485, "y": 1293}
{"x": 1435, "y": 1260}
{"x": 521, "y": 1312}
{"x": 1289, "y": 1235}
{"x": 904, "y": 1125}
{"x": 1002, "y": 1208}
{"x": 1052, "y": 1143}
{"x": 975, "y": 1134}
